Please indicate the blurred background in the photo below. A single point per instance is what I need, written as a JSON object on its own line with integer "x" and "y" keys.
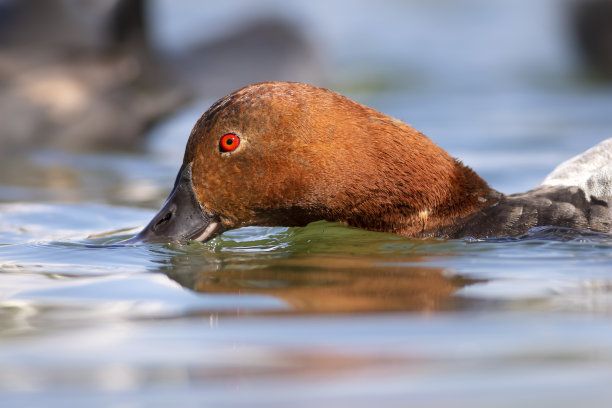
{"x": 98, "y": 97}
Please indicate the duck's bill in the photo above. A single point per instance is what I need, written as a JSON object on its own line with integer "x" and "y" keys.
{"x": 181, "y": 219}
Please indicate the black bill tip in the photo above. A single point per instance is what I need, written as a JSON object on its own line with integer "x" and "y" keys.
{"x": 181, "y": 219}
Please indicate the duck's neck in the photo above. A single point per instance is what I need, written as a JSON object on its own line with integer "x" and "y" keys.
{"x": 455, "y": 194}
{"x": 467, "y": 194}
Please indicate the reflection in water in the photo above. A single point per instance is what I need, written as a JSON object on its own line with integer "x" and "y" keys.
{"x": 329, "y": 284}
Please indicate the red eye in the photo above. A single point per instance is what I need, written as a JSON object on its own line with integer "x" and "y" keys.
{"x": 229, "y": 142}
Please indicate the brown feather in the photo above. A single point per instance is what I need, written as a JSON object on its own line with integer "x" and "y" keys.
{"x": 309, "y": 154}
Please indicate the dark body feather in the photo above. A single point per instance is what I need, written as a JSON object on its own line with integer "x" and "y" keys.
{"x": 544, "y": 206}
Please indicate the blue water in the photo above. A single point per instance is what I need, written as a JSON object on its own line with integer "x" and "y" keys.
{"x": 325, "y": 315}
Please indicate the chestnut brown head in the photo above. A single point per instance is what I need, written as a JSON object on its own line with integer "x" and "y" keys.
{"x": 286, "y": 154}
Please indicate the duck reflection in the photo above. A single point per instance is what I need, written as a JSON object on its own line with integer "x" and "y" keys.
{"x": 329, "y": 284}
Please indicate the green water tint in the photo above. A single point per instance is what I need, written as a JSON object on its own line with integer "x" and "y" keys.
{"x": 322, "y": 268}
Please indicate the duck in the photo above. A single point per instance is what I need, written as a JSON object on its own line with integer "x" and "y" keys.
{"x": 288, "y": 154}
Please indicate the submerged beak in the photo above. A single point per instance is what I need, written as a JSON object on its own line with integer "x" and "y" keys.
{"x": 181, "y": 219}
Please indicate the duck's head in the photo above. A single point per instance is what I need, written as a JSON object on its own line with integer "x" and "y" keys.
{"x": 286, "y": 154}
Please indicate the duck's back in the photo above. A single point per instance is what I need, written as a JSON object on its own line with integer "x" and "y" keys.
{"x": 577, "y": 194}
